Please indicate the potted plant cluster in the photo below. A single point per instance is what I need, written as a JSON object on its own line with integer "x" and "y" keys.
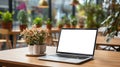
{"x": 38, "y": 22}
{"x": 6, "y": 20}
{"x": 94, "y": 13}
{"x": 48, "y": 24}
{"x": 23, "y": 19}
{"x": 35, "y": 38}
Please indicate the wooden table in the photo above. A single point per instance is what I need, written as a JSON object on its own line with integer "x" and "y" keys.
{"x": 14, "y": 33}
{"x": 17, "y": 58}
{"x": 101, "y": 40}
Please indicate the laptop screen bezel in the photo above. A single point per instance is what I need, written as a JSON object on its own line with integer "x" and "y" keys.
{"x": 78, "y": 29}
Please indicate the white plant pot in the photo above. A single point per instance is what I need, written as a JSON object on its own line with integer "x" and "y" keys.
{"x": 30, "y": 49}
{"x": 37, "y": 49}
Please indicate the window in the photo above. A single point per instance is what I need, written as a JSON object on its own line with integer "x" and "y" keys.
{"x": 31, "y": 7}
{"x": 61, "y": 8}
{"x": 3, "y": 5}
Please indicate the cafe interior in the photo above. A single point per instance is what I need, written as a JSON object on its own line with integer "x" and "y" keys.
{"x": 31, "y": 28}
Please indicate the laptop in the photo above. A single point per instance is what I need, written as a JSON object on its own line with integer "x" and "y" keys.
{"x": 74, "y": 46}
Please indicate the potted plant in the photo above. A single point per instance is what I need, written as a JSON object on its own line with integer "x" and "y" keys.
{"x": 7, "y": 20}
{"x": 66, "y": 22}
{"x": 81, "y": 23}
{"x": 35, "y": 38}
{"x": 73, "y": 22}
{"x": 23, "y": 19}
{"x": 60, "y": 25}
{"x": 48, "y": 24}
{"x": 38, "y": 22}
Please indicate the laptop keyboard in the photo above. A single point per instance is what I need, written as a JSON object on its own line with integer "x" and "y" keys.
{"x": 71, "y": 56}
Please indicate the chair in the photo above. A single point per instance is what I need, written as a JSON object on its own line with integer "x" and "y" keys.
{"x": 55, "y": 36}
{"x": 20, "y": 42}
{"x": 5, "y": 38}
{"x": 52, "y": 37}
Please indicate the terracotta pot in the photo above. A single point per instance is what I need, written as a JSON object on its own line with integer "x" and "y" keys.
{"x": 60, "y": 26}
{"x": 81, "y": 25}
{"x": 67, "y": 26}
{"x": 73, "y": 26}
{"x": 22, "y": 27}
{"x": 7, "y": 25}
{"x": 49, "y": 26}
{"x": 37, "y": 25}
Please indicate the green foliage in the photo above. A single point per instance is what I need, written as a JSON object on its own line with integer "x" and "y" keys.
{"x": 34, "y": 36}
{"x": 6, "y": 17}
{"x": 65, "y": 20}
{"x": 60, "y": 23}
{"x": 73, "y": 20}
{"x": 112, "y": 22}
{"x": 95, "y": 14}
{"x": 37, "y": 21}
{"x": 0, "y": 14}
{"x": 48, "y": 22}
{"x": 22, "y": 17}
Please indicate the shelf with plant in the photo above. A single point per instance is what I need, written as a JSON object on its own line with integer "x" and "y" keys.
{"x": 22, "y": 17}
{"x": 7, "y": 20}
{"x": 38, "y": 22}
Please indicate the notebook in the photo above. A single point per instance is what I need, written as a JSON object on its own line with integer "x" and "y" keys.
{"x": 74, "y": 46}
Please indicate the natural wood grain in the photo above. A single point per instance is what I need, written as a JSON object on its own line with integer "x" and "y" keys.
{"x": 5, "y": 38}
{"x": 101, "y": 40}
{"x": 113, "y": 42}
{"x": 18, "y": 58}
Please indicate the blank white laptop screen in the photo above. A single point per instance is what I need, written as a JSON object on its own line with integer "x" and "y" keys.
{"x": 78, "y": 41}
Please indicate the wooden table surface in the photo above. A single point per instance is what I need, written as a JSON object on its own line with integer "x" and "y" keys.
{"x": 17, "y": 58}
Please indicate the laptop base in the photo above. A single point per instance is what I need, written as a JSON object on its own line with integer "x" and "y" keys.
{"x": 57, "y": 58}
